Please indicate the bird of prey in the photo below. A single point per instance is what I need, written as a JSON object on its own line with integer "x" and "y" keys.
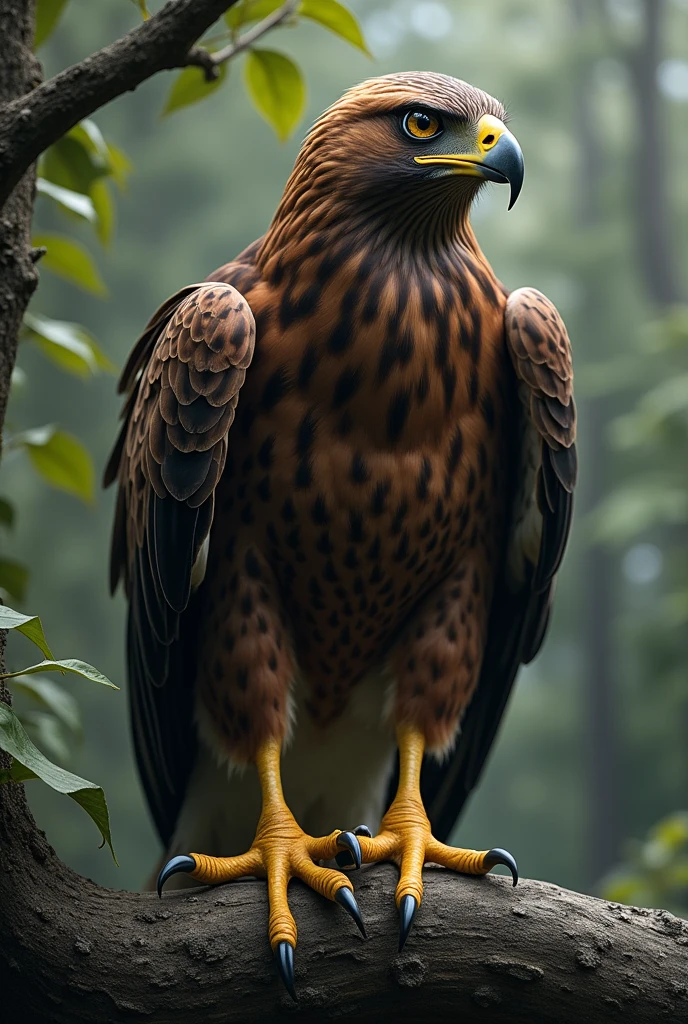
{"x": 345, "y": 487}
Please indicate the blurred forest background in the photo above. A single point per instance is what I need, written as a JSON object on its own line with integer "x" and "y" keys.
{"x": 588, "y": 782}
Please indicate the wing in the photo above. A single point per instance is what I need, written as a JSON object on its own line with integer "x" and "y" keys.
{"x": 540, "y": 351}
{"x": 182, "y": 383}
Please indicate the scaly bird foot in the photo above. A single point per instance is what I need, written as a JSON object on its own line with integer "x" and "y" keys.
{"x": 406, "y": 839}
{"x": 280, "y": 851}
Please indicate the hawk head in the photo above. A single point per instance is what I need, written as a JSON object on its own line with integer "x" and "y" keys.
{"x": 398, "y": 158}
{"x": 403, "y": 131}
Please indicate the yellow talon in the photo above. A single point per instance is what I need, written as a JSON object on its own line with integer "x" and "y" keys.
{"x": 281, "y": 850}
{"x": 405, "y": 836}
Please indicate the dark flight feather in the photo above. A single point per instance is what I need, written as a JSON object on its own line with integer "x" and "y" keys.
{"x": 168, "y": 458}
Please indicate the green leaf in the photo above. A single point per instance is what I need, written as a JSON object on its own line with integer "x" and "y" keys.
{"x": 119, "y": 164}
{"x": 338, "y": 18}
{"x": 250, "y": 10}
{"x": 94, "y": 140}
{"x": 65, "y": 463}
{"x": 71, "y": 261}
{"x": 45, "y": 730}
{"x": 34, "y": 436}
{"x": 59, "y": 458}
{"x": 141, "y": 4}
{"x": 52, "y": 697}
{"x": 47, "y": 15}
{"x": 104, "y": 207}
{"x": 276, "y": 86}
{"x": 82, "y": 157}
{"x": 672, "y": 832}
{"x": 622, "y": 888}
{"x": 32, "y": 764}
{"x": 73, "y": 162}
{"x": 74, "y": 202}
{"x": 6, "y": 513}
{"x": 96, "y": 207}
{"x": 29, "y": 625}
{"x": 190, "y": 86}
{"x": 68, "y": 345}
{"x": 14, "y": 578}
{"x": 73, "y": 665}
{"x": 679, "y": 874}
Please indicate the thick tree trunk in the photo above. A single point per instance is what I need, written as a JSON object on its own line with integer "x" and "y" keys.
{"x": 480, "y": 950}
{"x": 19, "y": 72}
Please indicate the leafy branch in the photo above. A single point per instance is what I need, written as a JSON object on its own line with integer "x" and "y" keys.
{"x": 162, "y": 42}
{"x": 27, "y": 760}
{"x": 211, "y": 62}
{"x": 31, "y": 123}
{"x": 273, "y": 80}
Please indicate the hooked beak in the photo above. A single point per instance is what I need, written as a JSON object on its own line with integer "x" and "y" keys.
{"x": 498, "y": 157}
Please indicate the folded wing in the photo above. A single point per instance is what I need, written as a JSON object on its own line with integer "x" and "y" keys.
{"x": 182, "y": 383}
{"x": 539, "y": 526}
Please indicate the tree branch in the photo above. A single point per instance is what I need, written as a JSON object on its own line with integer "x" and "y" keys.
{"x": 73, "y": 952}
{"x": 31, "y": 123}
{"x": 210, "y": 62}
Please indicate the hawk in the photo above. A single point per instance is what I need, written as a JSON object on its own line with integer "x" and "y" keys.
{"x": 345, "y": 487}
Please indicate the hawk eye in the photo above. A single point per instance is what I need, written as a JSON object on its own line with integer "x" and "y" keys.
{"x": 420, "y": 125}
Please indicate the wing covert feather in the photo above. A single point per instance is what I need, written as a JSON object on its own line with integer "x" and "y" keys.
{"x": 182, "y": 383}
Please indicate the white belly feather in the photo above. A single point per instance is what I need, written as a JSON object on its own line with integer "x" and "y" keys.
{"x": 333, "y": 778}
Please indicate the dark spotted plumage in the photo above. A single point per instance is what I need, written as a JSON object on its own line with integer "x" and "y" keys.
{"x": 396, "y": 492}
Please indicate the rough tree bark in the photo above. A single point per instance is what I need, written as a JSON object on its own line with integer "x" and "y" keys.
{"x": 19, "y": 73}
{"x": 71, "y": 951}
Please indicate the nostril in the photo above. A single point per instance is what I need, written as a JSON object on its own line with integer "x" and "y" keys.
{"x": 488, "y": 140}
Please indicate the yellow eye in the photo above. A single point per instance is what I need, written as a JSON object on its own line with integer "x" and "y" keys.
{"x": 420, "y": 125}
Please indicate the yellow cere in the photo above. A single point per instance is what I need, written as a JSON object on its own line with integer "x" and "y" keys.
{"x": 490, "y": 130}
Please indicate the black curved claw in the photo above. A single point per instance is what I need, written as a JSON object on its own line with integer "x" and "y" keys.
{"x": 351, "y": 854}
{"x": 363, "y": 830}
{"x": 284, "y": 955}
{"x": 183, "y": 863}
{"x": 346, "y": 899}
{"x": 407, "y": 912}
{"x": 497, "y": 856}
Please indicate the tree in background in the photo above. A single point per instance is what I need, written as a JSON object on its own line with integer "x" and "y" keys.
{"x": 655, "y": 435}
